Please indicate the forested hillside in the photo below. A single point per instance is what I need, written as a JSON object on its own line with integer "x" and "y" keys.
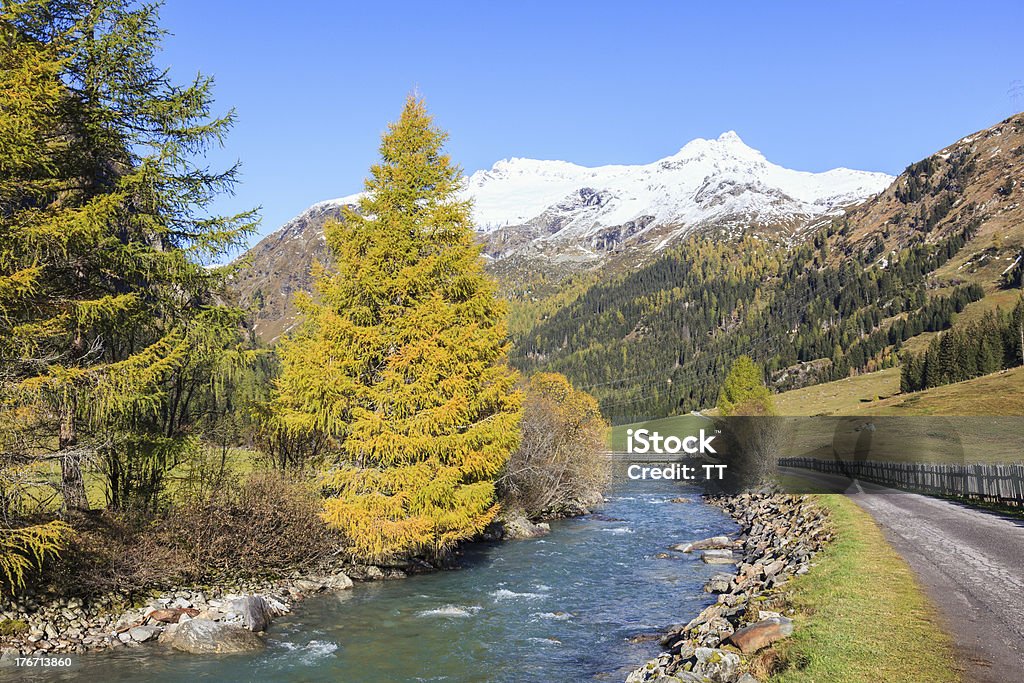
{"x": 657, "y": 341}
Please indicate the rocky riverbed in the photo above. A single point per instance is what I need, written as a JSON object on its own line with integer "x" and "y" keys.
{"x": 778, "y": 538}
{"x": 202, "y": 620}
{"x": 225, "y": 619}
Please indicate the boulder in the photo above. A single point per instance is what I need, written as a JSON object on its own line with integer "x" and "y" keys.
{"x": 327, "y": 582}
{"x": 774, "y": 568}
{"x": 750, "y": 639}
{"x": 167, "y": 635}
{"x": 254, "y": 611}
{"x": 717, "y": 557}
{"x": 712, "y": 632}
{"x": 583, "y": 504}
{"x": 515, "y": 526}
{"x": 141, "y": 634}
{"x": 713, "y": 543}
{"x": 718, "y": 666}
{"x": 199, "y": 636}
{"x": 337, "y": 582}
{"x": 719, "y": 583}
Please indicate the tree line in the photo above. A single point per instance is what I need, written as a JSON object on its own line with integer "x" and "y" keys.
{"x": 144, "y": 436}
{"x": 994, "y": 342}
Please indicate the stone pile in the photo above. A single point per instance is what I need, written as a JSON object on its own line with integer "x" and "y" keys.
{"x": 200, "y": 621}
{"x": 779, "y": 536}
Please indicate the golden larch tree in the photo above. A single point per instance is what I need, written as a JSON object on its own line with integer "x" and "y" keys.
{"x": 401, "y": 359}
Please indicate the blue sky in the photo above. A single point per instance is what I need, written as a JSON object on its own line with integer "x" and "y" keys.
{"x": 866, "y": 85}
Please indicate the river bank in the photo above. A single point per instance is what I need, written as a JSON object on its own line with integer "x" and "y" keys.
{"x": 40, "y": 626}
{"x": 579, "y": 602}
{"x": 71, "y": 625}
{"x": 778, "y": 538}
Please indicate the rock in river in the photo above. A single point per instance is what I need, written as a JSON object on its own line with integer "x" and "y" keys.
{"x": 254, "y": 612}
{"x": 201, "y": 636}
{"x": 717, "y": 557}
{"x": 713, "y": 543}
{"x": 141, "y": 634}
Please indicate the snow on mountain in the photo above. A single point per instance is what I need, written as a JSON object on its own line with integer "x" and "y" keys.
{"x": 707, "y": 181}
{"x": 527, "y": 204}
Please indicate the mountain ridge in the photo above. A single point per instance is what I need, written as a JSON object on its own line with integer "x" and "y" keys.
{"x": 557, "y": 217}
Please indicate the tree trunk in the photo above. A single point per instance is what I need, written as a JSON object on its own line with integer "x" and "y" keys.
{"x": 72, "y": 483}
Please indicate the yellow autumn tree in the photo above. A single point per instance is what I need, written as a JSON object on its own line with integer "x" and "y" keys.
{"x": 400, "y": 363}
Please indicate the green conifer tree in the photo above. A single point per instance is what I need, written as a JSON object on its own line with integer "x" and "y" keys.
{"x": 400, "y": 362}
{"x": 107, "y": 310}
{"x": 744, "y": 391}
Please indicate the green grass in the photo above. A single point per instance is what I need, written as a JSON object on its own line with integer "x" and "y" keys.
{"x": 1001, "y": 393}
{"x": 839, "y": 397}
{"x": 46, "y": 483}
{"x": 877, "y": 393}
{"x": 983, "y": 414}
{"x": 984, "y": 418}
{"x": 861, "y": 616}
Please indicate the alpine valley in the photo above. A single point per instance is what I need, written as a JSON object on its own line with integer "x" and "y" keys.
{"x": 642, "y": 283}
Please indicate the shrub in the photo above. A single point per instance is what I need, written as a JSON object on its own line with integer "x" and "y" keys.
{"x": 112, "y": 552}
{"x": 267, "y": 524}
{"x": 561, "y": 461}
{"x": 262, "y": 525}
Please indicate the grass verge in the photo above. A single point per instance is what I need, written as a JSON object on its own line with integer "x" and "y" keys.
{"x": 861, "y": 616}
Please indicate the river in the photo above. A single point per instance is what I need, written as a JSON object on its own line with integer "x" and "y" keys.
{"x": 560, "y": 608}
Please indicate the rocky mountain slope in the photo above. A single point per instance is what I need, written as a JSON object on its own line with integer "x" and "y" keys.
{"x": 976, "y": 180}
{"x": 656, "y": 340}
{"x": 557, "y": 217}
{"x": 554, "y": 211}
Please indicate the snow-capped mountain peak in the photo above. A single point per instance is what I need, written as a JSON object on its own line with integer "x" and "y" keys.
{"x": 521, "y": 202}
{"x": 551, "y": 208}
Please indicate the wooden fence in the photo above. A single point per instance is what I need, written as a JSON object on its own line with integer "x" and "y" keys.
{"x": 990, "y": 482}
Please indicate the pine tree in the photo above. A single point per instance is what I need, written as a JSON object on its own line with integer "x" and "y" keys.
{"x": 911, "y": 372}
{"x": 106, "y": 309}
{"x": 744, "y": 392}
{"x": 932, "y": 372}
{"x": 400, "y": 362}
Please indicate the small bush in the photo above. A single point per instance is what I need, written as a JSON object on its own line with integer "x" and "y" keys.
{"x": 263, "y": 525}
{"x": 267, "y": 524}
{"x": 113, "y": 552}
{"x": 560, "y": 463}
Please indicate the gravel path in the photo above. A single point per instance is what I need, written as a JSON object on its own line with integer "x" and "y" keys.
{"x": 971, "y": 563}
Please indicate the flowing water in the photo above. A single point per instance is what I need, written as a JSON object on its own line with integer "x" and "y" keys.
{"x": 560, "y": 608}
